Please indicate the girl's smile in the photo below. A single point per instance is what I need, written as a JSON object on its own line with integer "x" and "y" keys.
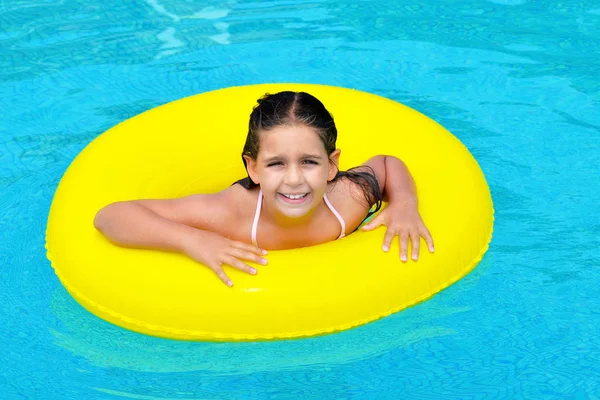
{"x": 294, "y": 198}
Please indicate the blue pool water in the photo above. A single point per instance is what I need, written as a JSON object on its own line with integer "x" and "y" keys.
{"x": 515, "y": 80}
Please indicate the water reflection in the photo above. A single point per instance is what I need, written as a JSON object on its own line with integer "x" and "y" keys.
{"x": 106, "y": 345}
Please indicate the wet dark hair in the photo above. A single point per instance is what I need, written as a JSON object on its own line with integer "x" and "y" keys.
{"x": 287, "y": 108}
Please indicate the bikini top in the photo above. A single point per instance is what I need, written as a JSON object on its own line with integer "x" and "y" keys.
{"x": 259, "y": 205}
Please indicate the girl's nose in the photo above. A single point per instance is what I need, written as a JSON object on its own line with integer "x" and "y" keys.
{"x": 293, "y": 176}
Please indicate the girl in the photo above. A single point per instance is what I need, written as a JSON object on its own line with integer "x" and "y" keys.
{"x": 294, "y": 196}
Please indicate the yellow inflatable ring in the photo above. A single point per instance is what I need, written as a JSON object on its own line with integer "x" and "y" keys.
{"x": 193, "y": 145}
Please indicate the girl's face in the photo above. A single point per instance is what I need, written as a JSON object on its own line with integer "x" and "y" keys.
{"x": 292, "y": 169}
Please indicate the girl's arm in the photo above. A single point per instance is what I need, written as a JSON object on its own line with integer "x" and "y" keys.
{"x": 130, "y": 224}
{"x": 401, "y": 216}
{"x": 161, "y": 225}
{"x": 398, "y": 184}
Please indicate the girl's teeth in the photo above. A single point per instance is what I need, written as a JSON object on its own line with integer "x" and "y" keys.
{"x": 295, "y": 197}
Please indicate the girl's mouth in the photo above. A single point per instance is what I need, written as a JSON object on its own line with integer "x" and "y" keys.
{"x": 293, "y": 198}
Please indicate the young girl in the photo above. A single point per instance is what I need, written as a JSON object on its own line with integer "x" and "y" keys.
{"x": 294, "y": 196}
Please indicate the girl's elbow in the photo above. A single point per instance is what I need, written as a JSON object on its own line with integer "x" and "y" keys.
{"x": 100, "y": 220}
{"x": 103, "y": 218}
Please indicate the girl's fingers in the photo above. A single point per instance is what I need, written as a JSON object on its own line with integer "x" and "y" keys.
{"x": 375, "y": 222}
{"x": 403, "y": 246}
{"x": 235, "y": 263}
{"x": 248, "y": 255}
{"x": 221, "y": 274}
{"x": 387, "y": 239}
{"x": 416, "y": 244}
{"x": 428, "y": 239}
{"x": 249, "y": 247}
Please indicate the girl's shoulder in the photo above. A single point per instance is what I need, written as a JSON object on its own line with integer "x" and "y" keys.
{"x": 239, "y": 200}
{"x": 231, "y": 205}
{"x": 349, "y": 200}
{"x": 352, "y": 199}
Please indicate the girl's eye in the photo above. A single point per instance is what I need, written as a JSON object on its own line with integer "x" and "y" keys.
{"x": 277, "y": 163}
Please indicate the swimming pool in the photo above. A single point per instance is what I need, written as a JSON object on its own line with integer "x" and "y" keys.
{"x": 515, "y": 80}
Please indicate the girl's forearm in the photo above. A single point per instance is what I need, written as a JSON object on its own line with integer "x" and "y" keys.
{"x": 399, "y": 184}
{"x": 129, "y": 224}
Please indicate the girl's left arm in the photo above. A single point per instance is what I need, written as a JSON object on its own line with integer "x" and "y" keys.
{"x": 401, "y": 216}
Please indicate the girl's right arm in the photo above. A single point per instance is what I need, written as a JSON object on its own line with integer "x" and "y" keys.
{"x": 168, "y": 225}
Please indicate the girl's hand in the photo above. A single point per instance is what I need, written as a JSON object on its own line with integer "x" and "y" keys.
{"x": 214, "y": 250}
{"x": 404, "y": 221}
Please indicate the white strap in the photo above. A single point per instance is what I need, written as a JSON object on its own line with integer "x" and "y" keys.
{"x": 337, "y": 215}
{"x": 256, "y": 216}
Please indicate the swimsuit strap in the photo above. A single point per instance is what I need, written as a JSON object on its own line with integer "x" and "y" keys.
{"x": 337, "y": 215}
{"x": 259, "y": 205}
{"x": 256, "y": 216}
